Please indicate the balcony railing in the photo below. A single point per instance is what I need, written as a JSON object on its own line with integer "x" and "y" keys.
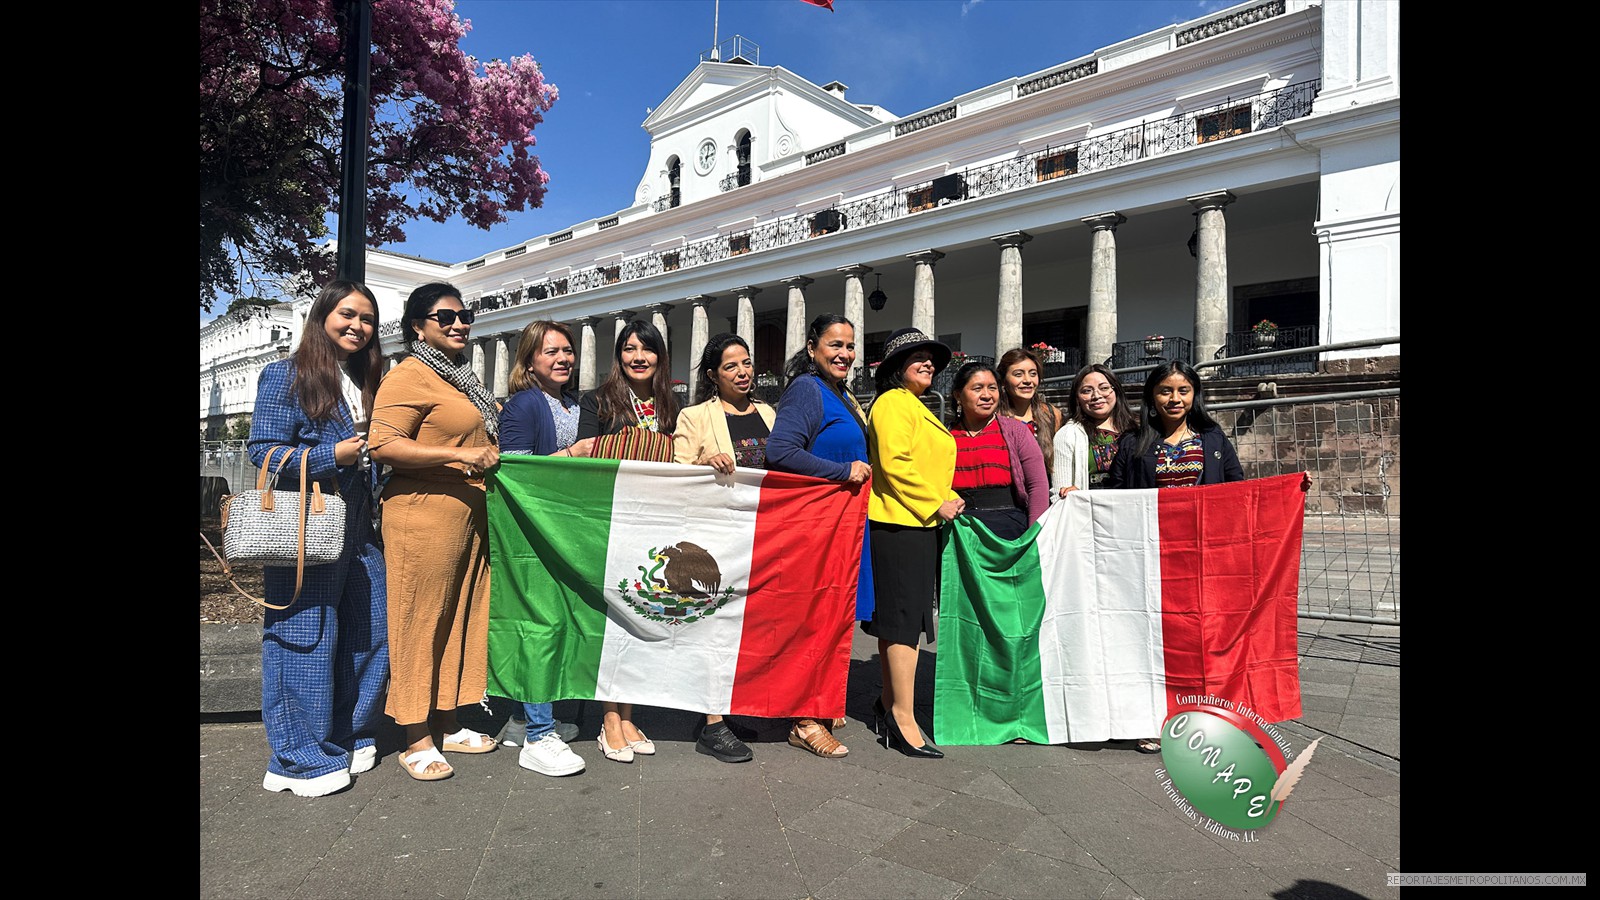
{"x": 1149, "y": 352}
{"x": 1065, "y": 162}
{"x": 1244, "y": 343}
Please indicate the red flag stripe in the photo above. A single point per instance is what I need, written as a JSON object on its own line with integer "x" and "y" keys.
{"x": 1230, "y": 580}
{"x": 800, "y": 606}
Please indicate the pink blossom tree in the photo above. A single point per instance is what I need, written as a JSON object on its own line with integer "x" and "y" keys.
{"x": 449, "y": 136}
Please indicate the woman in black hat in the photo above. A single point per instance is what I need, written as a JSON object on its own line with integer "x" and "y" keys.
{"x": 913, "y": 463}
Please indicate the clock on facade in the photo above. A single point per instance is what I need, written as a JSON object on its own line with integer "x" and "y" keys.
{"x": 707, "y": 158}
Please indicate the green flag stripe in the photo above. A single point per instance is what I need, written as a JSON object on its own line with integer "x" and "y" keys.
{"x": 545, "y": 638}
{"x": 988, "y": 684}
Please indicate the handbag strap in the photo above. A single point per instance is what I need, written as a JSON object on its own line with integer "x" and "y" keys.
{"x": 266, "y": 465}
{"x": 227, "y": 572}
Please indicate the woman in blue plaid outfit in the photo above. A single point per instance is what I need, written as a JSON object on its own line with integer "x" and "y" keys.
{"x": 325, "y": 659}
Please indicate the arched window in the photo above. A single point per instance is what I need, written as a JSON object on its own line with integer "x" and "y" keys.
{"x": 743, "y": 169}
{"x": 674, "y": 176}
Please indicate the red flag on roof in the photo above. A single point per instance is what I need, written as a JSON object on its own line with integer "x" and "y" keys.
{"x": 825, "y": 4}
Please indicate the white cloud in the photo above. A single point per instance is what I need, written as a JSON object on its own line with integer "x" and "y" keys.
{"x": 968, "y": 4}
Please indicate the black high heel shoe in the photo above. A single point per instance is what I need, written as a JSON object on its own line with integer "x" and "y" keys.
{"x": 894, "y": 736}
{"x": 878, "y": 717}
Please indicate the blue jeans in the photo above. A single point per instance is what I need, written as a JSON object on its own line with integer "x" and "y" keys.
{"x": 540, "y": 718}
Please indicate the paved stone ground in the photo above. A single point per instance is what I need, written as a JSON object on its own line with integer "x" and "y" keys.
{"x": 1011, "y": 821}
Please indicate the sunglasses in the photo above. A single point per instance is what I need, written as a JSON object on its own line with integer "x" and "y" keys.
{"x": 448, "y": 317}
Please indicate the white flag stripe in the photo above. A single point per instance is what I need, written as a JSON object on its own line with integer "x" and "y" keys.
{"x": 1102, "y": 617}
{"x": 688, "y": 666}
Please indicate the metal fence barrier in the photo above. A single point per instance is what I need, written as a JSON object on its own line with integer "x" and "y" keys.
{"x": 1348, "y": 443}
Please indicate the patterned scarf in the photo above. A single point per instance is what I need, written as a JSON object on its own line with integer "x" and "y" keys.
{"x": 461, "y": 378}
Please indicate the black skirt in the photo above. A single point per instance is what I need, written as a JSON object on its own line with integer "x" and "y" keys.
{"x": 904, "y": 610}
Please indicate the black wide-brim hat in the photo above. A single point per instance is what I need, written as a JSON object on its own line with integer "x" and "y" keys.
{"x": 906, "y": 341}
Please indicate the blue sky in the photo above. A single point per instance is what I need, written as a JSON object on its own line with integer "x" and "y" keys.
{"x": 613, "y": 60}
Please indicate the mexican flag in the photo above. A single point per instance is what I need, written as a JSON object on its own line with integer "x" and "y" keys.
{"x": 672, "y": 586}
{"x": 1116, "y": 604}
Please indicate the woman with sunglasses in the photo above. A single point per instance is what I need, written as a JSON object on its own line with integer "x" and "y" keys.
{"x": 436, "y": 427}
{"x": 636, "y": 402}
{"x": 324, "y": 659}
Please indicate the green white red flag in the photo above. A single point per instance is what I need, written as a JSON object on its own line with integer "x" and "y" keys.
{"x": 672, "y": 586}
{"x": 1115, "y": 604}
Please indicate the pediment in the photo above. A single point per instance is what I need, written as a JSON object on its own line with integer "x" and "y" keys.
{"x": 706, "y": 82}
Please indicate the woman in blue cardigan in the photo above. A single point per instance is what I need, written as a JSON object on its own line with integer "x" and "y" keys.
{"x": 325, "y": 659}
{"x": 820, "y": 431}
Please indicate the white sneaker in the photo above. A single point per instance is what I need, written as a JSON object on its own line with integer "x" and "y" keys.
{"x": 320, "y": 786}
{"x": 362, "y": 759}
{"x": 550, "y": 756}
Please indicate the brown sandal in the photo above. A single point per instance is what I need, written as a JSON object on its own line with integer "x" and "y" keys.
{"x": 838, "y": 724}
{"x": 820, "y": 742}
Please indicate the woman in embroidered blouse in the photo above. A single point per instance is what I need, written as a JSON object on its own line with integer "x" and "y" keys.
{"x": 1176, "y": 445}
{"x": 1096, "y": 417}
{"x": 541, "y": 418}
{"x": 726, "y": 427}
{"x": 999, "y": 470}
{"x": 325, "y": 659}
{"x": 436, "y": 427}
{"x": 1021, "y": 399}
{"x": 821, "y": 432}
{"x": 636, "y": 393}
{"x": 913, "y": 465}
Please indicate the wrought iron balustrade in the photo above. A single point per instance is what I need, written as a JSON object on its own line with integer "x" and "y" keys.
{"x": 1244, "y": 343}
{"x": 1047, "y": 165}
{"x": 1149, "y": 352}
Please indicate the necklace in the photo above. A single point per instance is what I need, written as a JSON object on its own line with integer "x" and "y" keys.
{"x": 981, "y": 428}
{"x": 644, "y": 411}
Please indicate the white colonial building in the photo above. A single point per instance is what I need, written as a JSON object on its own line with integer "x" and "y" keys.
{"x": 234, "y": 348}
{"x": 1184, "y": 183}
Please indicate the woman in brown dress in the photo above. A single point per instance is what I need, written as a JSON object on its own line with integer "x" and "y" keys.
{"x": 436, "y": 426}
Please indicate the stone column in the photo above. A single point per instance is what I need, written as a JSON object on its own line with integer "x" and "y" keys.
{"x": 794, "y": 332}
{"x": 745, "y": 321}
{"x": 700, "y": 333}
{"x": 502, "y": 364}
{"x": 586, "y": 356}
{"x": 1102, "y": 285}
{"x": 658, "y": 318}
{"x": 922, "y": 291}
{"x": 1211, "y": 281}
{"x": 476, "y": 354}
{"x": 619, "y": 320}
{"x": 1008, "y": 312}
{"x": 855, "y": 309}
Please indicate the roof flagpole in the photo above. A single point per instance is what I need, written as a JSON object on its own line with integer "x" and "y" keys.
{"x": 716, "y": 12}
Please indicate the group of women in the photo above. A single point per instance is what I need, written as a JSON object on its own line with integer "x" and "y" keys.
{"x": 406, "y": 616}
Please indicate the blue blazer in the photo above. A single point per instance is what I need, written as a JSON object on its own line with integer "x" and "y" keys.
{"x": 279, "y": 420}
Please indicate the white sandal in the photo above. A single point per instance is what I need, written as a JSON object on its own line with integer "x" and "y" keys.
{"x": 643, "y": 746}
{"x": 623, "y": 754}
{"x": 468, "y": 741}
{"x": 416, "y": 764}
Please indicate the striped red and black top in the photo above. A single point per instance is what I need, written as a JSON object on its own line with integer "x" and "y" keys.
{"x": 1180, "y": 465}
{"x": 982, "y": 460}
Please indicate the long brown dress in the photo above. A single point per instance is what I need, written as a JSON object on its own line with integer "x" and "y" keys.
{"x": 436, "y": 547}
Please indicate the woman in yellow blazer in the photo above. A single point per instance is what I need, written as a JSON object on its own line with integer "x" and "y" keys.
{"x": 913, "y": 463}
{"x": 727, "y": 425}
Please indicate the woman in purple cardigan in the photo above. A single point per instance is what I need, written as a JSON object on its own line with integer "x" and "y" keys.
{"x": 1000, "y": 470}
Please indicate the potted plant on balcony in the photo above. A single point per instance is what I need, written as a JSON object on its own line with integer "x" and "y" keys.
{"x": 1048, "y": 353}
{"x": 1153, "y": 343}
{"x": 1266, "y": 333}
